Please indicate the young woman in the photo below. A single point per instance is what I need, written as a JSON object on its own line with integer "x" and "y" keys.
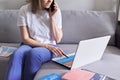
{"x": 40, "y": 29}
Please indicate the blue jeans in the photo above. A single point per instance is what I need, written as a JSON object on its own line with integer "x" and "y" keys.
{"x": 26, "y": 61}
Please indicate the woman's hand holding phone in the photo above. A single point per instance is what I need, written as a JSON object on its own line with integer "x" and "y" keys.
{"x": 51, "y": 13}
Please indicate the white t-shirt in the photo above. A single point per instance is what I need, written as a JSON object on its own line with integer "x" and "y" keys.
{"x": 39, "y": 23}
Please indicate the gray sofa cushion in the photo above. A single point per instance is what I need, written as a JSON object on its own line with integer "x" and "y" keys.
{"x": 77, "y": 25}
{"x": 9, "y": 32}
{"x": 80, "y": 25}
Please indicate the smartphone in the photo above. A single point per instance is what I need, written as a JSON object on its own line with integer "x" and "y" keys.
{"x": 52, "y": 7}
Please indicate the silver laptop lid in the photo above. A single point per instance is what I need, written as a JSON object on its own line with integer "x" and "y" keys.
{"x": 89, "y": 51}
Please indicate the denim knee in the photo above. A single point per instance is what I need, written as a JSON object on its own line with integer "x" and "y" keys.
{"x": 40, "y": 53}
{"x": 20, "y": 53}
{"x": 34, "y": 59}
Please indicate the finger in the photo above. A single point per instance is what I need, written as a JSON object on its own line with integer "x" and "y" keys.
{"x": 60, "y": 52}
{"x": 55, "y": 4}
{"x": 56, "y": 8}
{"x": 54, "y": 52}
{"x": 57, "y": 51}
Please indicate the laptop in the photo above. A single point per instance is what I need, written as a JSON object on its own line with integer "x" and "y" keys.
{"x": 88, "y": 51}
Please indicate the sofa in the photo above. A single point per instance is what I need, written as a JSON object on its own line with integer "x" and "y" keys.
{"x": 77, "y": 26}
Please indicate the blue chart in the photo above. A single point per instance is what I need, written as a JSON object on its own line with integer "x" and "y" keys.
{"x": 66, "y": 60}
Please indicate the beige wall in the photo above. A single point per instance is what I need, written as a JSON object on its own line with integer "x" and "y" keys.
{"x": 88, "y": 4}
{"x": 66, "y": 4}
{"x": 11, "y": 4}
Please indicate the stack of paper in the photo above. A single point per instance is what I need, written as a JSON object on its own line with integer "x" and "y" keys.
{"x": 78, "y": 74}
{"x": 6, "y": 51}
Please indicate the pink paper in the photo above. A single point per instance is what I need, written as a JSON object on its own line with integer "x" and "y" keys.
{"x": 77, "y": 74}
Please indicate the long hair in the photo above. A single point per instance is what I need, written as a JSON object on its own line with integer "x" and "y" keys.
{"x": 35, "y": 5}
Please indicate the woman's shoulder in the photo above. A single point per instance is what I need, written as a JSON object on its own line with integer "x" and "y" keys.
{"x": 25, "y": 7}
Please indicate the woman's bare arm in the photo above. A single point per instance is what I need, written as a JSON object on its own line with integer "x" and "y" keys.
{"x": 28, "y": 40}
{"x": 57, "y": 33}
